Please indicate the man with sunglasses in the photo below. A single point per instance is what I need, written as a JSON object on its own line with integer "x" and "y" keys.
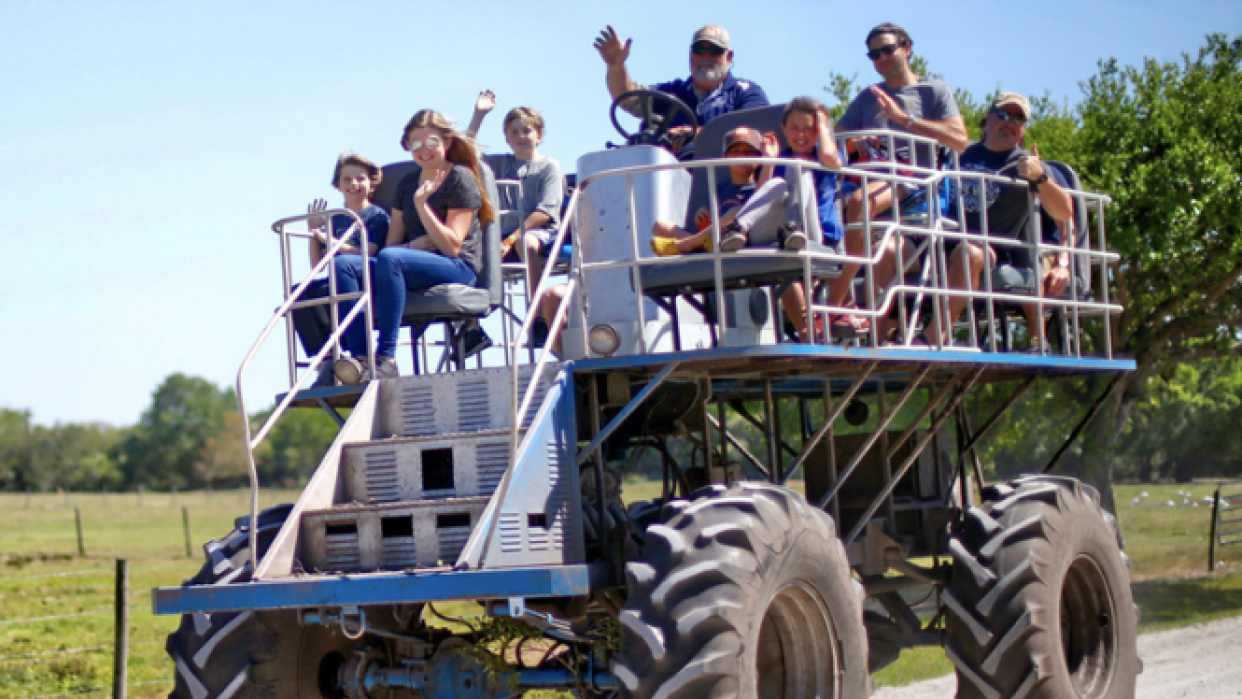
{"x": 903, "y": 102}
{"x": 711, "y": 90}
{"x": 1001, "y": 152}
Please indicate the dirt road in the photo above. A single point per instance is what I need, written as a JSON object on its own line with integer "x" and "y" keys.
{"x": 1197, "y": 662}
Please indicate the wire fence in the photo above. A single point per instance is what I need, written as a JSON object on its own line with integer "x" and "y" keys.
{"x": 31, "y": 669}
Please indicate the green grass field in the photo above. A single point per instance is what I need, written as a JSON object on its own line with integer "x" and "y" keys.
{"x": 54, "y": 603}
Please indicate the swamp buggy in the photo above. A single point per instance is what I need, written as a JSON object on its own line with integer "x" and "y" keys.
{"x": 821, "y": 506}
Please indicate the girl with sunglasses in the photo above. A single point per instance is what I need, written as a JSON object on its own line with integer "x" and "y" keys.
{"x": 435, "y": 236}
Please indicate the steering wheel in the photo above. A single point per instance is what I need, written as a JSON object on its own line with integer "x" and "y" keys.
{"x": 655, "y": 125}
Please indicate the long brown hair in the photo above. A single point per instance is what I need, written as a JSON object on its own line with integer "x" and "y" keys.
{"x": 460, "y": 152}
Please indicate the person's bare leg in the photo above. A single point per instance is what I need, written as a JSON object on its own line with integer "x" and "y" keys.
{"x": 534, "y": 265}
{"x": 686, "y": 241}
{"x": 547, "y": 310}
{"x": 794, "y": 303}
{"x": 957, "y": 280}
{"x": 1034, "y": 323}
{"x": 880, "y": 200}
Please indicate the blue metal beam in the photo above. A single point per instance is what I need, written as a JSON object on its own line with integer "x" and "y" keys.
{"x": 379, "y": 588}
{"x": 1050, "y": 364}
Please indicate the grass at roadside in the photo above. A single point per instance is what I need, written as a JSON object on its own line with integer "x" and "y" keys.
{"x": 54, "y": 604}
{"x": 1168, "y": 546}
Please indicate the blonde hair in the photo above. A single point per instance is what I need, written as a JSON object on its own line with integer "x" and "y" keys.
{"x": 460, "y": 152}
{"x": 350, "y": 158}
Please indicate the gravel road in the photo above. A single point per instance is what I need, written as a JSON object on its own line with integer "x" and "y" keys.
{"x": 1197, "y": 662}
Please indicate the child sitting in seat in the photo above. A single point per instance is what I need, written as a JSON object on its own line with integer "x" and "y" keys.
{"x": 537, "y": 210}
{"x": 776, "y": 212}
{"x": 355, "y": 177}
{"x": 742, "y": 142}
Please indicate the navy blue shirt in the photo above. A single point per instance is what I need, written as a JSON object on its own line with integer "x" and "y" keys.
{"x": 1007, "y": 205}
{"x": 732, "y": 94}
{"x": 373, "y": 218}
{"x": 825, "y": 197}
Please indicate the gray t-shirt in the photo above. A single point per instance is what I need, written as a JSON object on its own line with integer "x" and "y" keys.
{"x": 543, "y": 189}
{"x": 926, "y": 99}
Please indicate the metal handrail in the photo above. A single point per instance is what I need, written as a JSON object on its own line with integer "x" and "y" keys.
{"x": 518, "y": 409}
{"x": 930, "y": 179}
{"x": 362, "y": 304}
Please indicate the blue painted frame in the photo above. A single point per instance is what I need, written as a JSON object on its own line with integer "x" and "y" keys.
{"x": 380, "y": 588}
{"x": 1061, "y": 365}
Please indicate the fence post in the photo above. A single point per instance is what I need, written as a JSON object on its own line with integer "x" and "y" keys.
{"x": 120, "y": 656}
{"x": 1212, "y": 531}
{"x": 185, "y": 520}
{"x": 77, "y": 522}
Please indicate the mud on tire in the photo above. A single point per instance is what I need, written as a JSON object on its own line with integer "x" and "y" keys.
{"x": 239, "y": 655}
{"x": 1039, "y": 602}
{"x": 745, "y": 593}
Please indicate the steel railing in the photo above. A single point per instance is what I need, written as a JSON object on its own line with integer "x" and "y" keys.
{"x": 935, "y": 228}
{"x": 292, "y": 302}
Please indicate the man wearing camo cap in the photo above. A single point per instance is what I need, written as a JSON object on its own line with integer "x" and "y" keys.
{"x": 710, "y": 91}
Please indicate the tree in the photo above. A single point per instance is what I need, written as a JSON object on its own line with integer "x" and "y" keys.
{"x": 164, "y": 449}
{"x": 1163, "y": 141}
{"x": 15, "y": 428}
{"x": 294, "y": 447}
{"x": 223, "y": 455}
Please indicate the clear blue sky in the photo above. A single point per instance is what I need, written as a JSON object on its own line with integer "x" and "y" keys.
{"x": 153, "y": 143}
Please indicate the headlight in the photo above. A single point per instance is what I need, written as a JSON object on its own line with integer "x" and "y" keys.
{"x": 604, "y": 340}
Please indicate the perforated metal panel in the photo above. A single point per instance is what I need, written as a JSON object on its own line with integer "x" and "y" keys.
{"x": 388, "y": 537}
{"x": 413, "y": 497}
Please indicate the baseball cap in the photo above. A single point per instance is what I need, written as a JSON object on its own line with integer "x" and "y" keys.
{"x": 744, "y": 134}
{"x": 1015, "y": 99}
{"x": 712, "y": 33}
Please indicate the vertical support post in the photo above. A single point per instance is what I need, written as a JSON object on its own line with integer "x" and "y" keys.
{"x": 834, "y": 508}
{"x": 1212, "y": 531}
{"x": 77, "y": 523}
{"x": 185, "y": 522}
{"x": 770, "y": 432}
{"x": 889, "y": 514}
{"x": 120, "y": 655}
{"x": 140, "y": 489}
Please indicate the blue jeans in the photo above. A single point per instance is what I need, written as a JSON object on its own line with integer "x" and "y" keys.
{"x": 313, "y": 325}
{"x": 398, "y": 270}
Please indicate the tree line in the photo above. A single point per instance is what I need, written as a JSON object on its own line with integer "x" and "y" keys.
{"x": 189, "y": 437}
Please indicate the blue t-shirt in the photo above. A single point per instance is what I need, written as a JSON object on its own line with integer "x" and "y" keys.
{"x": 730, "y": 96}
{"x": 730, "y": 196}
{"x": 825, "y": 197}
{"x": 373, "y": 218}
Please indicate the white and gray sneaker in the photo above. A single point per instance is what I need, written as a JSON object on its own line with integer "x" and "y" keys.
{"x": 733, "y": 239}
{"x": 791, "y": 236}
{"x": 352, "y": 371}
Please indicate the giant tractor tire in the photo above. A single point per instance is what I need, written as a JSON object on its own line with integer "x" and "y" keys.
{"x": 744, "y": 593}
{"x": 251, "y": 654}
{"x": 1040, "y": 604}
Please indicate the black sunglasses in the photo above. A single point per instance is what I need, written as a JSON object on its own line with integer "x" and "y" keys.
{"x": 886, "y": 50}
{"x": 704, "y": 48}
{"x": 1006, "y": 116}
